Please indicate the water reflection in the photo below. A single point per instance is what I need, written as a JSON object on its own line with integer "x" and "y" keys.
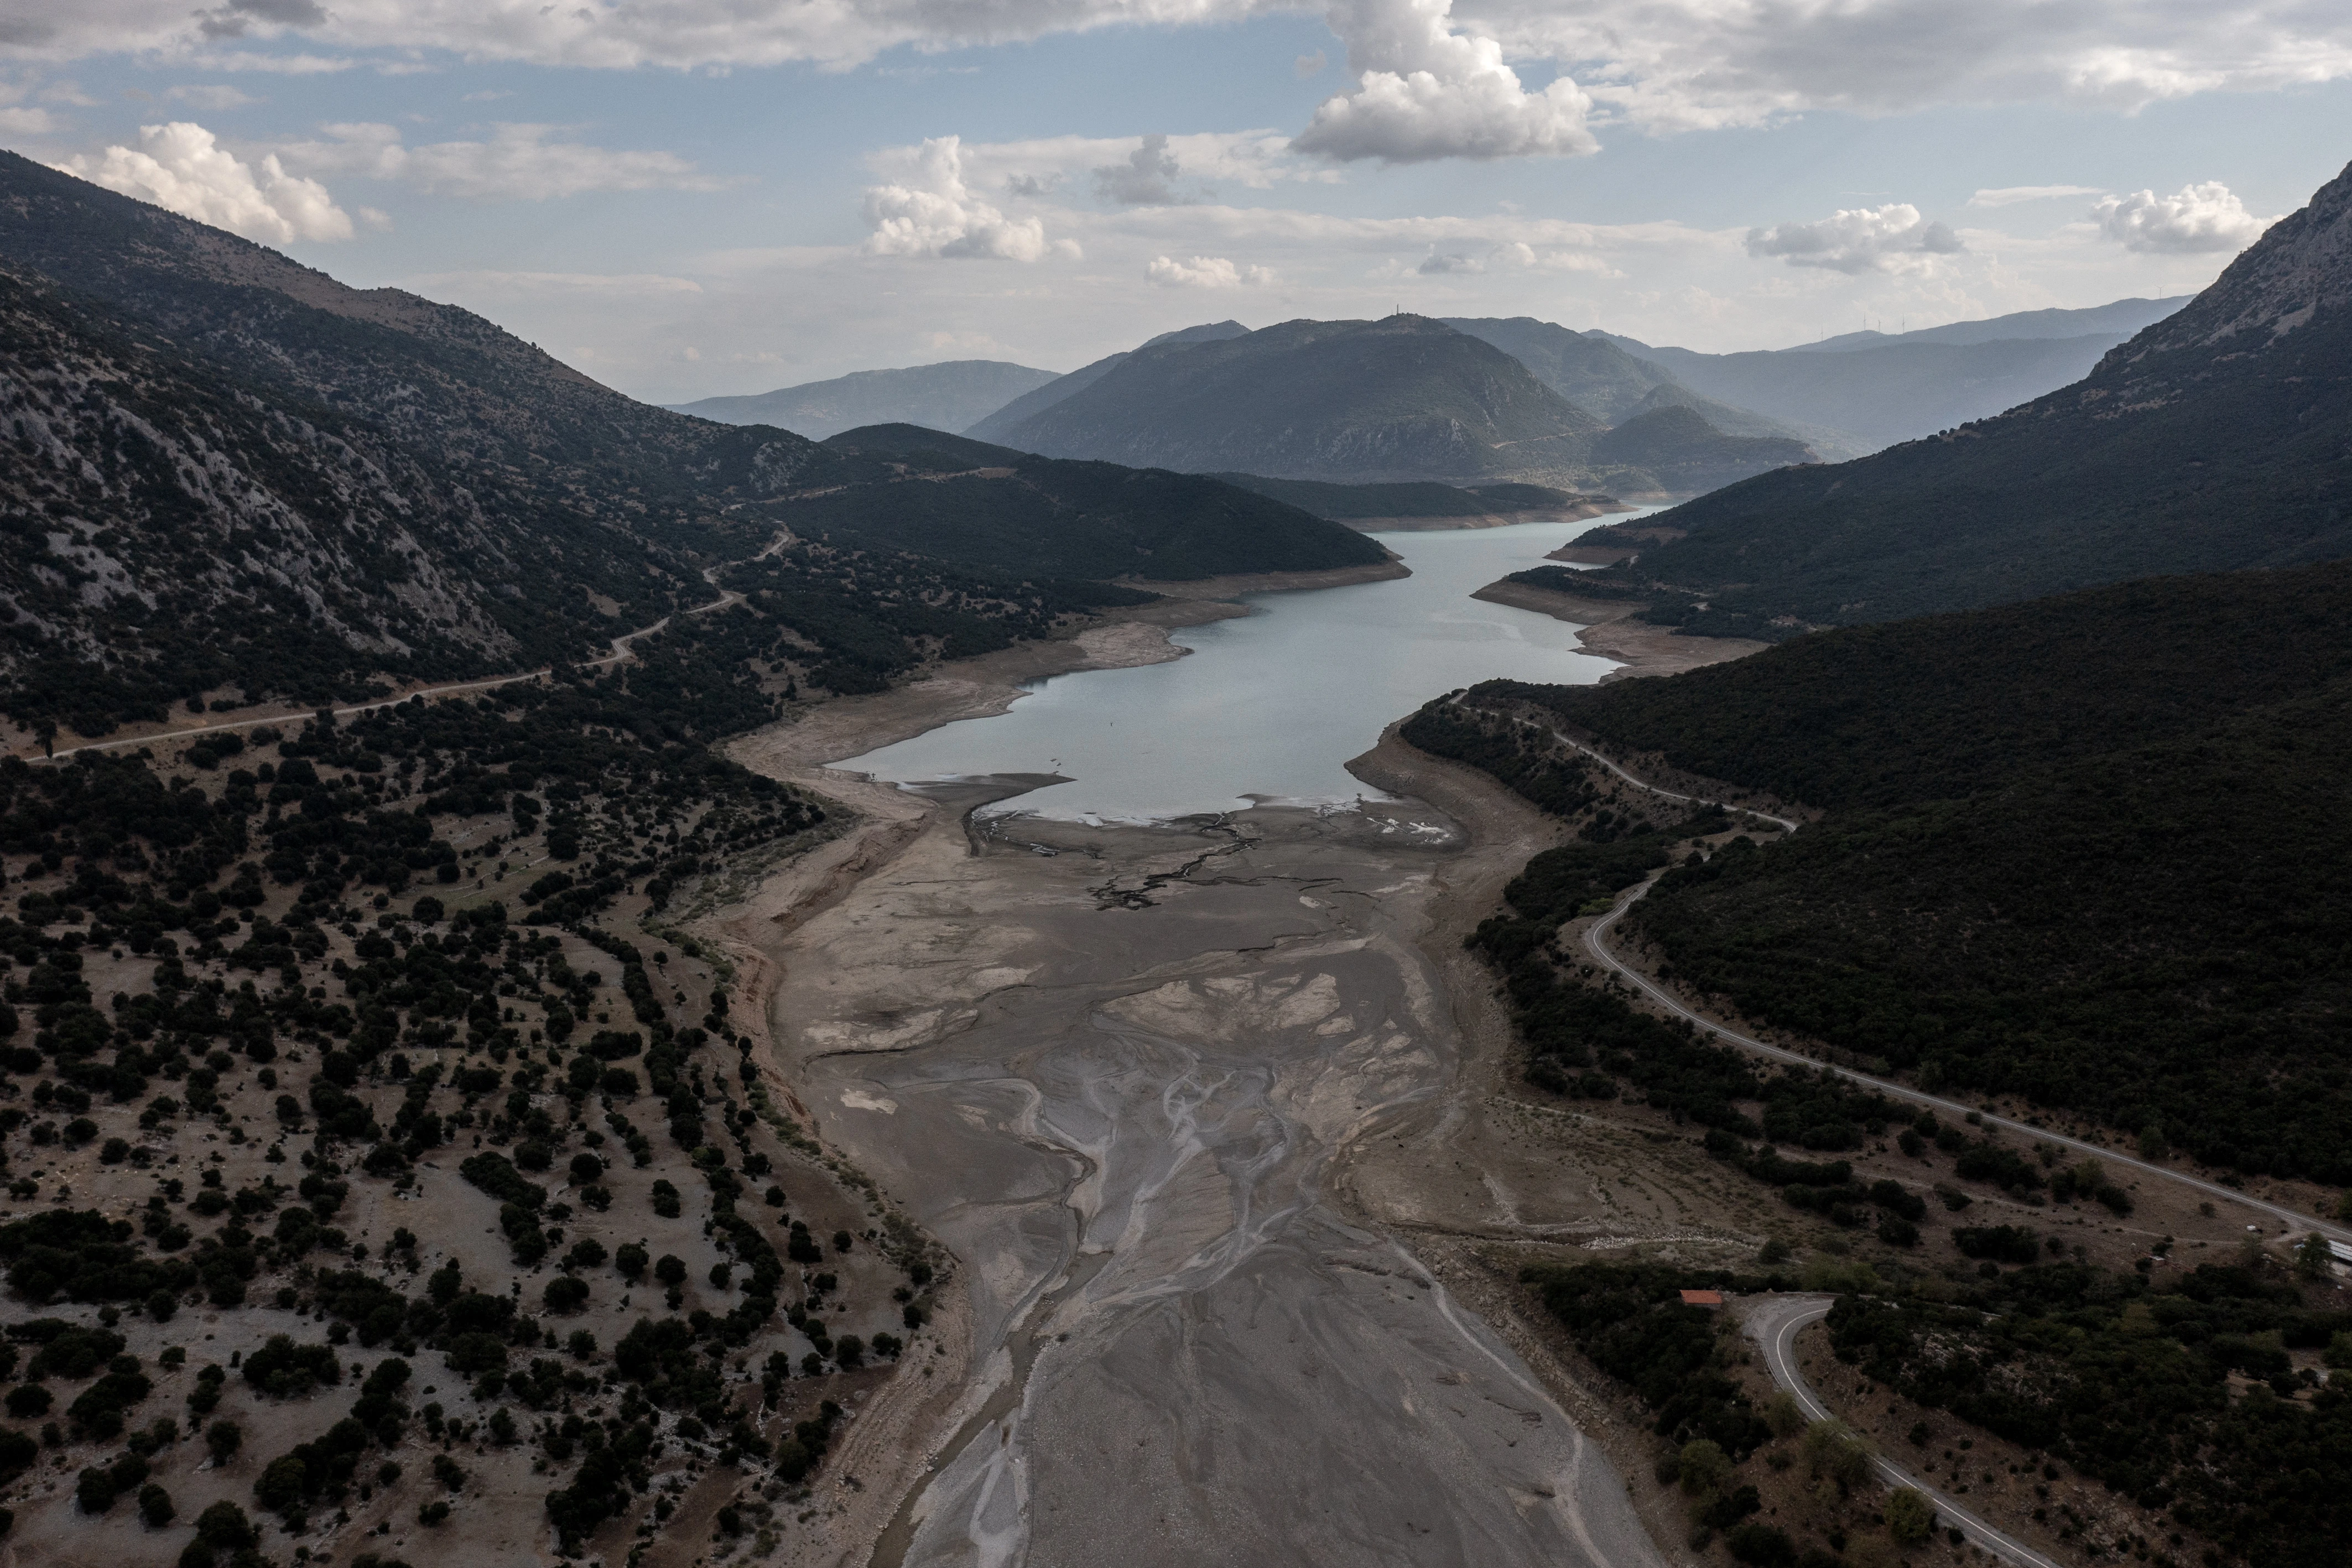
{"x": 1271, "y": 705}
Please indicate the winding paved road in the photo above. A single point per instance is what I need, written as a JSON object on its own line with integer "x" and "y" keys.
{"x": 1774, "y": 1322}
{"x": 1596, "y": 942}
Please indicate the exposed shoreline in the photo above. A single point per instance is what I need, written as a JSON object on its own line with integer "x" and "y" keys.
{"x": 1598, "y": 507}
{"x": 1606, "y": 628}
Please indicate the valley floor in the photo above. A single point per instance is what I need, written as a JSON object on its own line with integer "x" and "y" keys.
{"x": 1178, "y": 1099}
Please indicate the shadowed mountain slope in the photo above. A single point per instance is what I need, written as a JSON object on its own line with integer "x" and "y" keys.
{"x": 2217, "y": 438}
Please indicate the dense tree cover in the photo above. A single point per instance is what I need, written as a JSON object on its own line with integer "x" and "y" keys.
{"x": 1947, "y": 705}
{"x": 2212, "y": 440}
{"x": 974, "y": 506}
{"x": 2154, "y": 937}
{"x": 1583, "y": 1039}
{"x": 1631, "y": 1320}
{"x": 1514, "y": 752}
{"x": 2128, "y": 1383}
{"x": 2108, "y": 887}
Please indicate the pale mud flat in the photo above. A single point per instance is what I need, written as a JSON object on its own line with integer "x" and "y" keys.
{"x": 1607, "y": 628}
{"x": 1117, "y": 1071}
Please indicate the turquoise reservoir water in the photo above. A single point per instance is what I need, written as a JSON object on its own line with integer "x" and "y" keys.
{"x": 1271, "y": 705}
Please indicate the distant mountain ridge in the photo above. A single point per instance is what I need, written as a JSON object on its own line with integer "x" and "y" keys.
{"x": 1405, "y": 398}
{"x": 1598, "y": 376}
{"x": 2118, "y": 318}
{"x": 945, "y": 396}
{"x": 2214, "y": 439}
{"x": 1874, "y": 396}
{"x": 1008, "y": 417}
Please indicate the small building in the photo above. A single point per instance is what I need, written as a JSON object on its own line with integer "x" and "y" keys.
{"x": 1702, "y": 1298}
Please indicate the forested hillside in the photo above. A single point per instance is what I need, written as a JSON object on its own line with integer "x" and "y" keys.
{"x": 983, "y": 507}
{"x": 2213, "y": 440}
{"x": 2085, "y": 851}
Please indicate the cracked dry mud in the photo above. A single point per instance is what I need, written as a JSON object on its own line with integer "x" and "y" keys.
{"x": 1119, "y": 1094}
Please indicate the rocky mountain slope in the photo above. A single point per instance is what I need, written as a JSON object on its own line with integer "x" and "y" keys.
{"x": 1405, "y": 398}
{"x": 2214, "y": 439}
{"x": 237, "y": 479}
{"x": 946, "y": 396}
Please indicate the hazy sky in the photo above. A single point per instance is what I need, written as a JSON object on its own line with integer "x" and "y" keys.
{"x": 688, "y": 197}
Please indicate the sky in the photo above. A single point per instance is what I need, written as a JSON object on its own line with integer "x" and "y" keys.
{"x": 687, "y": 198}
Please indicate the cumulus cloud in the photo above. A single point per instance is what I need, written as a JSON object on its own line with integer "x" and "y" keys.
{"x": 22, "y": 119}
{"x": 2009, "y": 196}
{"x": 179, "y": 166}
{"x": 1864, "y": 239}
{"x": 1257, "y": 160}
{"x": 1662, "y": 64}
{"x": 1425, "y": 91}
{"x": 1671, "y": 65}
{"x": 1440, "y": 262}
{"x": 933, "y": 211}
{"x": 2193, "y": 220}
{"x": 1147, "y": 178}
{"x": 519, "y": 162}
{"x": 1204, "y": 272}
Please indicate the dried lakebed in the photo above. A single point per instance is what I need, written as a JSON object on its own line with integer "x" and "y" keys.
{"x": 1113, "y": 1078}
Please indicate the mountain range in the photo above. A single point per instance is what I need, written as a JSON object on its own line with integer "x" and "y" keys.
{"x": 946, "y": 396}
{"x": 234, "y": 475}
{"x": 1405, "y": 398}
{"x": 2215, "y": 438}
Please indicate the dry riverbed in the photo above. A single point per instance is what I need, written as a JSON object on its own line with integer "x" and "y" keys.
{"x": 1177, "y": 1098}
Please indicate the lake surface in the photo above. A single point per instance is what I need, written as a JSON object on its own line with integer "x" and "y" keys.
{"x": 1269, "y": 706}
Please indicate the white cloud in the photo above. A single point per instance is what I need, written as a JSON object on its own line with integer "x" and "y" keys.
{"x": 1147, "y": 178}
{"x": 1663, "y": 64}
{"x": 604, "y": 34}
{"x": 2009, "y": 196}
{"x": 2193, "y": 220}
{"x": 1425, "y": 91}
{"x": 1306, "y": 66}
{"x": 1863, "y": 239}
{"x": 519, "y": 162}
{"x": 18, "y": 119}
{"x": 1257, "y": 160}
{"x": 1438, "y": 262}
{"x": 1204, "y": 272}
{"x": 1672, "y": 64}
{"x": 179, "y": 166}
{"x": 214, "y": 98}
{"x": 933, "y": 213}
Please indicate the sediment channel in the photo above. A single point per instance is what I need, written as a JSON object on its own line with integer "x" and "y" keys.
{"x": 1113, "y": 1071}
